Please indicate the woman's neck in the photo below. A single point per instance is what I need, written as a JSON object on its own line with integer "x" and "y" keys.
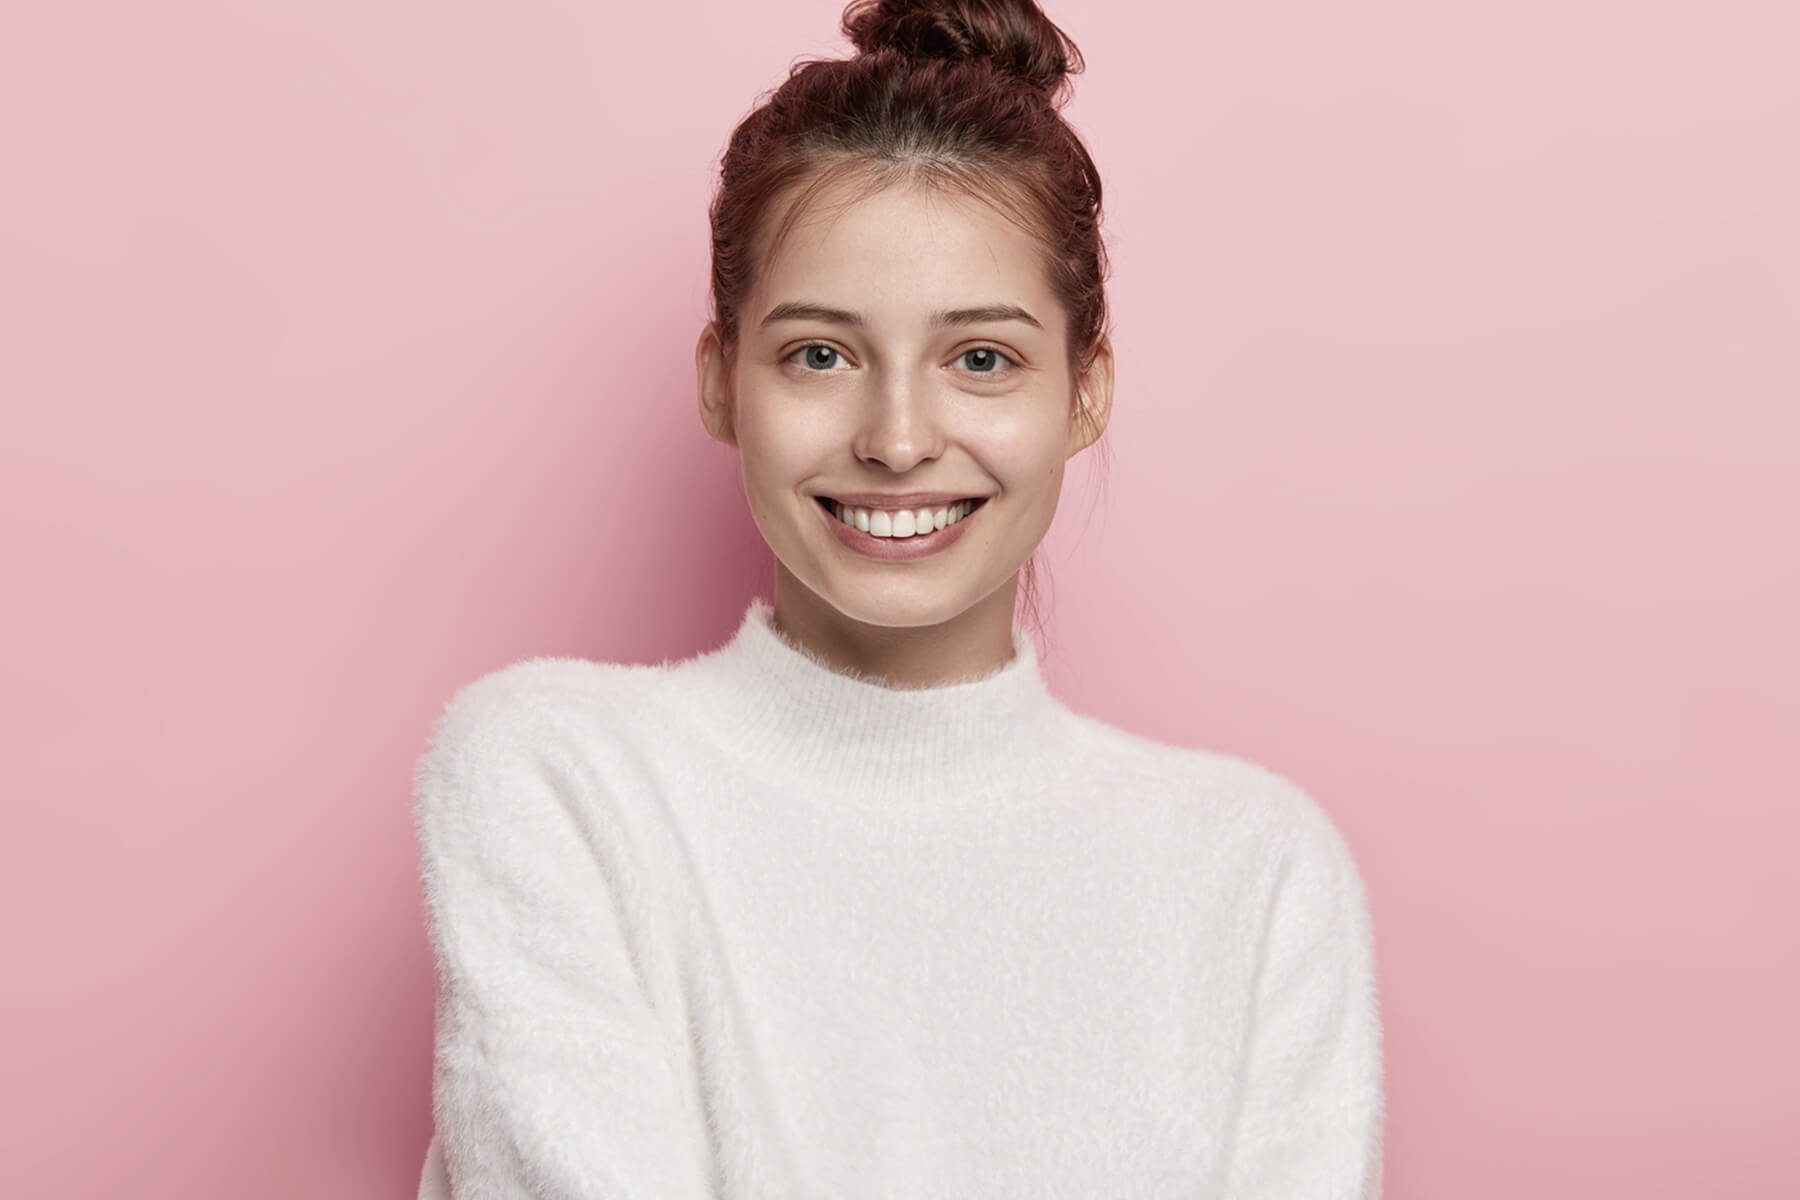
{"x": 973, "y": 643}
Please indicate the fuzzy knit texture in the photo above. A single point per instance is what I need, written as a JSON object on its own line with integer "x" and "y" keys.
{"x": 745, "y": 925}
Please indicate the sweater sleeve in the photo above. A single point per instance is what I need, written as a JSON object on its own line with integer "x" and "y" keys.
{"x": 554, "y": 1075}
{"x": 1313, "y": 1112}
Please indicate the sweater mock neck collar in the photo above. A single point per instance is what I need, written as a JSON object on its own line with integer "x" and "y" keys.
{"x": 792, "y": 716}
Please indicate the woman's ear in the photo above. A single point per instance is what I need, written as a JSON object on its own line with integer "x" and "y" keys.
{"x": 714, "y": 378}
{"x": 1093, "y": 400}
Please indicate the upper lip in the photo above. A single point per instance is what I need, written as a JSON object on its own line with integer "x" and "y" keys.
{"x": 899, "y": 499}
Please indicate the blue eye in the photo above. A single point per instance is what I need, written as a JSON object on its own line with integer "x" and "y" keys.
{"x": 991, "y": 355}
{"x": 813, "y": 350}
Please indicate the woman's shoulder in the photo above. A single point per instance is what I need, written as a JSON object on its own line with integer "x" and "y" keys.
{"x": 546, "y": 688}
{"x": 1214, "y": 784}
{"x": 523, "y": 746}
{"x": 542, "y": 679}
{"x": 545, "y": 707}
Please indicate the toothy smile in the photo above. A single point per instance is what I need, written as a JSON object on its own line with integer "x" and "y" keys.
{"x": 901, "y": 523}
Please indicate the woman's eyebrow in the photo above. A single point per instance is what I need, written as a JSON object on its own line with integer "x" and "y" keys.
{"x": 802, "y": 310}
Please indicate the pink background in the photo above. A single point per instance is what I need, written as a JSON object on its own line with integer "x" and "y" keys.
{"x": 1454, "y": 472}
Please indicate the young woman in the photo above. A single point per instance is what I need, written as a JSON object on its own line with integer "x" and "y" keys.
{"x": 851, "y": 905}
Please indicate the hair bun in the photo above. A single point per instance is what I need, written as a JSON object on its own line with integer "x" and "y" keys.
{"x": 1014, "y": 35}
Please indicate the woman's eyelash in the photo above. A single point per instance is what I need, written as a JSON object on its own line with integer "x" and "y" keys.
{"x": 994, "y": 350}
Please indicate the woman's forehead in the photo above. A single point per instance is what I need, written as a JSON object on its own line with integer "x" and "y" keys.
{"x": 901, "y": 251}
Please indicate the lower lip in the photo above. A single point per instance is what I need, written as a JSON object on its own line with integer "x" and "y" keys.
{"x": 890, "y": 549}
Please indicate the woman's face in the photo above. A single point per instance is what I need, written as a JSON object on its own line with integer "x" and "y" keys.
{"x": 847, "y": 381}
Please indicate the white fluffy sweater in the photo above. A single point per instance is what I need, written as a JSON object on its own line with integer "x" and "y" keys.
{"x": 744, "y": 925}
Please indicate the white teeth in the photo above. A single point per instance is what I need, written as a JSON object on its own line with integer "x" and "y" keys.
{"x": 904, "y": 523}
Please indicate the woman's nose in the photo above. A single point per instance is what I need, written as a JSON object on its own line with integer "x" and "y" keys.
{"x": 900, "y": 424}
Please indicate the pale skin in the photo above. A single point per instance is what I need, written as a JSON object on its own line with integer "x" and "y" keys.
{"x": 817, "y": 405}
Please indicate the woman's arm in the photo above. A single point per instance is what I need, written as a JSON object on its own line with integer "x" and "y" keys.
{"x": 554, "y": 1075}
{"x": 1313, "y": 1116}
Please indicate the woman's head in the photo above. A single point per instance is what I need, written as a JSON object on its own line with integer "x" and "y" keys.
{"x": 932, "y": 173}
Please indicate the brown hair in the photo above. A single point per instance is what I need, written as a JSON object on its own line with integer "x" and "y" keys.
{"x": 960, "y": 95}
